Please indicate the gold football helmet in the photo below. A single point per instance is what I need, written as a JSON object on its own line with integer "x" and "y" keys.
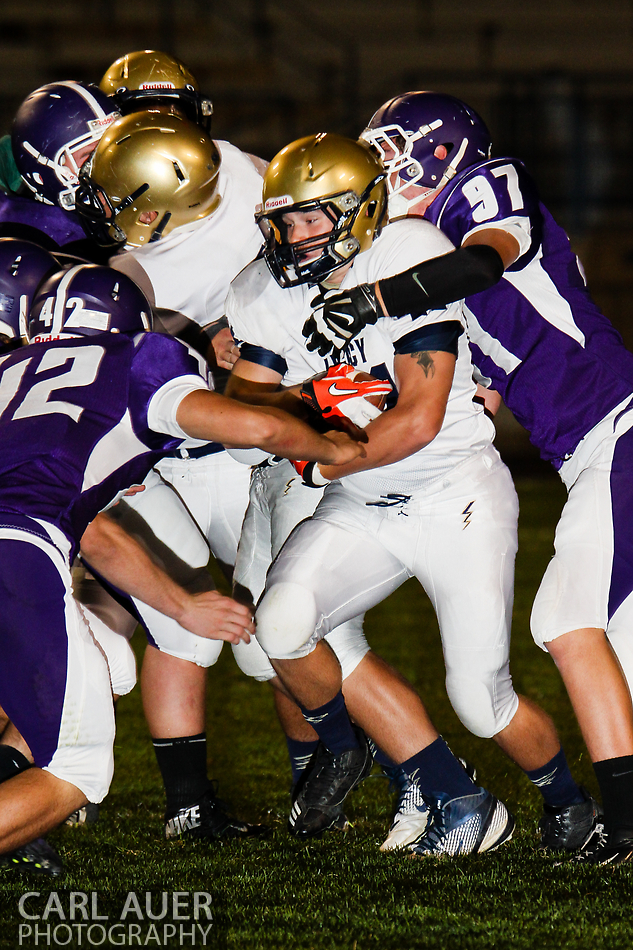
{"x": 336, "y": 175}
{"x": 150, "y": 173}
{"x": 150, "y": 78}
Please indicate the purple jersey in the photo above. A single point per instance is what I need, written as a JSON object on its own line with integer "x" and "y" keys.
{"x": 48, "y": 226}
{"x": 556, "y": 360}
{"x": 74, "y": 422}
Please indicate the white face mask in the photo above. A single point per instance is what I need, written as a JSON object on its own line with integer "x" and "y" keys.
{"x": 395, "y": 147}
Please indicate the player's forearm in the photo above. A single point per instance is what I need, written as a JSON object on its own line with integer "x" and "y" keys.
{"x": 204, "y": 415}
{"x": 393, "y": 436}
{"x": 433, "y": 284}
{"x": 257, "y": 394}
{"x": 122, "y": 561}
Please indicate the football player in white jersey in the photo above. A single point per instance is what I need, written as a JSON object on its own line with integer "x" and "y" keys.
{"x": 190, "y": 267}
{"x": 431, "y": 499}
{"x": 207, "y": 233}
{"x": 183, "y": 245}
{"x": 542, "y": 344}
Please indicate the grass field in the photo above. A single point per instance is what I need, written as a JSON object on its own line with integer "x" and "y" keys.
{"x": 341, "y": 892}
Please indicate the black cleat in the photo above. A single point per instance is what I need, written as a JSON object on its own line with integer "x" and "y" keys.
{"x": 568, "y": 828}
{"x": 602, "y": 848}
{"x": 208, "y": 819}
{"x": 37, "y": 857}
{"x": 323, "y": 787}
{"x": 86, "y": 815}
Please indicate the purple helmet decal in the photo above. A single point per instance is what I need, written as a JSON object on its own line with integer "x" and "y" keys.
{"x": 424, "y": 139}
{"x": 86, "y": 300}
{"x": 23, "y": 267}
{"x": 53, "y": 132}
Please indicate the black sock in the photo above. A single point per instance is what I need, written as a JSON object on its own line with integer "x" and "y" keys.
{"x": 438, "y": 773}
{"x": 300, "y": 754}
{"x": 383, "y": 759}
{"x": 615, "y": 778}
{"x": 183, "y": 765}
{"x": 332, "y": 725}
{"x": 12, "y": 762}
{"x": 556, "y": 783}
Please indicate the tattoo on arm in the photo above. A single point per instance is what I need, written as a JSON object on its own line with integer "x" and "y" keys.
{"x": 424, "y": 359}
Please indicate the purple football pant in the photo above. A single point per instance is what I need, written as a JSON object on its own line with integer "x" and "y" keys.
{"x": 54, "y": 680}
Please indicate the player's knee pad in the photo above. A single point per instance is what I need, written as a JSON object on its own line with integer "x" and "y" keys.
{"x": 481, "y": 709}
{"x": 169, "y": 637}
{"x": 119, "y": 654}
{"x": 286, "y": 621}
{"x": 253, "y": 661}
{"x": 349, "y": 643}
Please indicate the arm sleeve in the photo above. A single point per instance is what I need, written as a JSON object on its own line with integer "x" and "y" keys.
{"x": 434, "y": 283}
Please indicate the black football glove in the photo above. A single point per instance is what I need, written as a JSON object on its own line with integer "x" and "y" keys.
{"x": 340, "y": 315}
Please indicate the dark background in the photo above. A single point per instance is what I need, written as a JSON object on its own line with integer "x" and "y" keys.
{"x": 554, "y": 81}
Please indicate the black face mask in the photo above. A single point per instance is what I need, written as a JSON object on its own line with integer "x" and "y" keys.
{"x": 98, "y": 214}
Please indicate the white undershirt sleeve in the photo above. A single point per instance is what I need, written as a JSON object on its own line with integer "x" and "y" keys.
{"x": 518, "y": 226}
{"x": 164, "y": 404}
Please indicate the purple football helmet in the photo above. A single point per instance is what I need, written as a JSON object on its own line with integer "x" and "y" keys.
{"x": 86, "y": 300}
{"x": 23, "y": 267}
{"x": 407, "y": 131}
{"x": 51, "y": 126}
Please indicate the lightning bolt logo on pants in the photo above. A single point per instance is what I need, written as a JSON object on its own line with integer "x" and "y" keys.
{"x": 467, "y": 512}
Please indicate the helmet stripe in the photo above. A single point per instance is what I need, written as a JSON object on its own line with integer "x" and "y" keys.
{"x": 87, "y": 96}
{"x": 60, "y": 300}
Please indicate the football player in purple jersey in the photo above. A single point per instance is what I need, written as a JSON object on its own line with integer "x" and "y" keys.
{"x": 23, "y": 268}
{"x": 54, "y": 132}
{"x": 542, "y": 345}
{"x": 85, "y": 410}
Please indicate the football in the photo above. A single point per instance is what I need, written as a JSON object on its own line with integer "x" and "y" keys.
{"x": 379, "y": 400}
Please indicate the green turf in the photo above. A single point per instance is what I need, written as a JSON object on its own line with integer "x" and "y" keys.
{"x": 341, "y": 891}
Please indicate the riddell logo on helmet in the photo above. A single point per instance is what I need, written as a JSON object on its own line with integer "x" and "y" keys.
{"x": 95, "y": 124}
{"x": 157, "y": 85}
{"x": 282, "y": 202}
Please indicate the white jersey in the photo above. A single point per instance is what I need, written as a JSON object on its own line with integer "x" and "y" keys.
{"x": 191, "y": 267}
{"x": 267, "y": 322}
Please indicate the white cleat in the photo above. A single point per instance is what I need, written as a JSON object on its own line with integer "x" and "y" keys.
{"x": 410, "y": 820}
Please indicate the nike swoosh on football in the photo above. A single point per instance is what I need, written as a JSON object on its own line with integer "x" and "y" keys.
{"x": 335, "y": 391}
